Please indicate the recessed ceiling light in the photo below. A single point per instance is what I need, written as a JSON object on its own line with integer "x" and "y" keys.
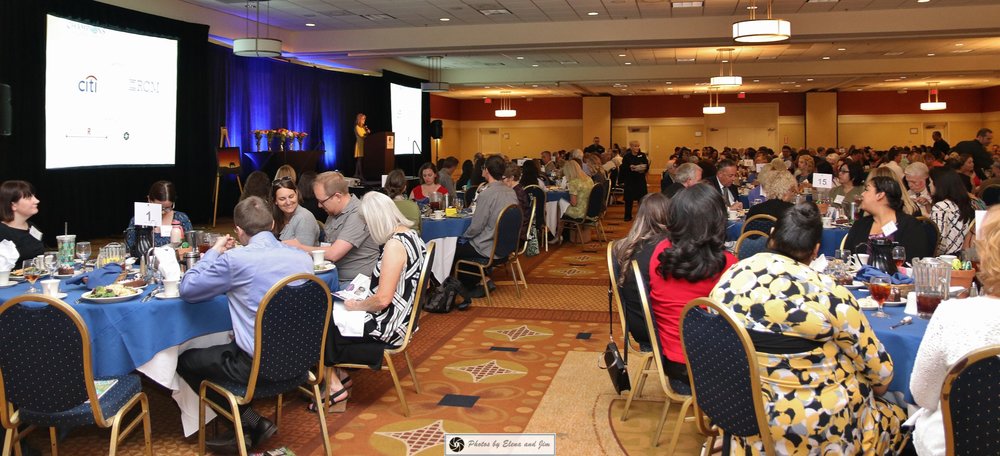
{"x": 534, "y": 65}
{"x": 520, "y": 57}
{"x": 756, "y": 80}
{"x": 310, "y": 24}
{"x": 894, "y": 53}
{"x": 961, "y": 51}
{"x": 444, "y": 19}
{"x": 841, "y": 49}
{"x": 960, "y": 44}
{"x": 668, "y": 82}
{"x": 767, "y": 57}
{"x": 860, "y": 90}
{"x": 621, "y": 55}
{"x": 822, "y": 1}
{"x": 788, "y": 82}
{"x": 902, "y": 77}
{"x": 931, "y": 54}
{"x": 685, "y": 60}
{"x": 593, "y": 13}
{"x": 826, "y": 58}
{"x": 797, "y": 85}
{"x": 923, "y": 1}
{"x": 535, "y": 85}
{"x": 628, "y": 63}
{"x": 809, "y": 79}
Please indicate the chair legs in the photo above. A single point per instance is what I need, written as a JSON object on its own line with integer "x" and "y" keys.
{"x": 681, "y": 416}
{"x": 395, "y": 382}
{"x": 322, "y": 419}
{"x": 639, "y": 383}
{"x": 413, "y": 373}
{"x": 233, "y": 415}
{"x": 117, "y": 437}
{"x": 510, "y": 265}
{"x": 521, "y": 273}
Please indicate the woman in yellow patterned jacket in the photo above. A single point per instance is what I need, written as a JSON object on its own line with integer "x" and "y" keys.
{"x": 823, "y": 371}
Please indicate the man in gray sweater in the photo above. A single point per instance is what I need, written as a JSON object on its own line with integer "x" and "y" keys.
{"x": 479, "y": 236}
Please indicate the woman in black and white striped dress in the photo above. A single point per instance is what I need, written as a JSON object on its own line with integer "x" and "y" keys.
{"x": 394, "y": 288}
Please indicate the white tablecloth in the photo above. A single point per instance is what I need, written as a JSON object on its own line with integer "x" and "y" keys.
{"x": 553, "y": 211}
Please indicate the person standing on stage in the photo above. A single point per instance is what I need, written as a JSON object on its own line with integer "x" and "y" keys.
{"x": 361, "y": 132}
{"x": 632, "y": 175}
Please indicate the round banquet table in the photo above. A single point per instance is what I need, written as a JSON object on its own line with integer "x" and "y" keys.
{"x": 828, "y": 244}
{"x": 445, "y": 234}
{"x": 556, "y": 202}
{"x": 902, "y": 343}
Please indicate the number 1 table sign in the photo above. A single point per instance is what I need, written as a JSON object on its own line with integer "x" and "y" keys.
{"x": 148, "y": 214}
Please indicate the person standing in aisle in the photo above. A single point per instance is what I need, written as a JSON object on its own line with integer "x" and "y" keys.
{"x": 632, "y": 175}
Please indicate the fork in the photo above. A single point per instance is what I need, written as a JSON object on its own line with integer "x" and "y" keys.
{"x": 151, "y": 294}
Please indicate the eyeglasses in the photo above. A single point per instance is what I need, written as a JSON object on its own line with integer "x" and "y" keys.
{"x": 165, "y": 209}
{"x": 321, "y": 203}
{"x": 845, "y": 171}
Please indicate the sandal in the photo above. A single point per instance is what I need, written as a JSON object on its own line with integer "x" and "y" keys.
{"x": 332, "y": 404}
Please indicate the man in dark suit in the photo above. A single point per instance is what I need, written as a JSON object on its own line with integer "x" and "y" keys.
{"x": 977, "y": 148}
{"x": 686, "y": 175}
{"x": 725, "y": 182}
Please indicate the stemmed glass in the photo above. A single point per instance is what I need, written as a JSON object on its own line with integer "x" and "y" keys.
{"x": 880, "y": 289}
{"x": 31, "y": 273}
{"x": 899, "y": 255}
{"x": 83, "y": 251}
{"x": 50, "y": 260}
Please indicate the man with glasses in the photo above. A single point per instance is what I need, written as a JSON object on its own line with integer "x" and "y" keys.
{"x": 351, "y": 246}
{"x": 725, "y": 183}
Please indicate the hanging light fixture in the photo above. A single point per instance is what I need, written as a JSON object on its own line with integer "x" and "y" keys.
{"x": 257, "y": 46}
{"x": 435, "y": 84}
{"x": 505, "y": 108}
{"x": 722, "y": 80}
{"x": 761, "y": 30}
{"x": 935, "y": 105}
{"x": 713, "y": 108}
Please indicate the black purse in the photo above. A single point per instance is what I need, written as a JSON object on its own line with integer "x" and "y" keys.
{"x": 616, "y": 366}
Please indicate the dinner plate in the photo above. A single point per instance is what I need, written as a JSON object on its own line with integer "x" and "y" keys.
{"x": 325, "y": 267}
{"x": 66, "y": 276}
{"x": 132, "y": 286}
{"x": 855, "y": 285}
{"x": 162, "y": 295}
{"x": 867, "y": 304}
{"x": 9, "y": 284}
{"x": 86, "y": 297}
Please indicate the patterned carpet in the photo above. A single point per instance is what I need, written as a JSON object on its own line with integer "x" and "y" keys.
{"x": 518, "y": 365}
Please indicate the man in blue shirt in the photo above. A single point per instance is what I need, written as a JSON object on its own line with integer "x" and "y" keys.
{"x": 244, "y": 275}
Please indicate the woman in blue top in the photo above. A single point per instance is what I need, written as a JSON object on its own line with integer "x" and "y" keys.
{"x": 165, "y": 194}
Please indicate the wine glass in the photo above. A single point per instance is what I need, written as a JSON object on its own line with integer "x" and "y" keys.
{"x": 31, "y": 273}
{"x": 842, "y": 255}
{"x": 880, "y": 289}
{"x": 899, "y": 255}
{"x": 83, "y": 251}
{"x": 51, "y": 262}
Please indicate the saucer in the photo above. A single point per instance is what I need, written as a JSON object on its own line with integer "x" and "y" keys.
{"x": 162, "y": 295}
{"x": 57, "y": 295}
{"x": 9, "y": 284}
{"x": 436, "y": 218}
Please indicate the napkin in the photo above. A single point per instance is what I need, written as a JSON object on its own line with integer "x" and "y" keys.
{"x": 104, "y": 276}
{"x": 819, "y": 264}
{"x": 867, "y": 272}
{"x": 166, "y": 257}
{"x": 351, "y": 323}
{"x": 8, "y": 255}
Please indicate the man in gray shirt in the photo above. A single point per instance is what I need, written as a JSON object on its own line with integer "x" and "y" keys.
{"x": 444, "y": 176}
{"x": 351, "y": 247}
{"x": 491, "y": 201}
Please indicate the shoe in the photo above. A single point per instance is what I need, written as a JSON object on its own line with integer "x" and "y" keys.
{"x": 490, "y": 284}
{"x": 258, "y": 434}
{"x": 333, "y": 405}
{"x": 476, "y": 292}
{"x": 226, "y": 444}
{"x": 628, "y": 219}
{"x": 465, "y": 304}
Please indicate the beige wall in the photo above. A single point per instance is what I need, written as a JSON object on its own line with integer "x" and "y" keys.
{"x": 518, "y": 138}
{"x": 884, "y": 131}
{"x": 821, "y": 119}
{"x": 596, "y": 120}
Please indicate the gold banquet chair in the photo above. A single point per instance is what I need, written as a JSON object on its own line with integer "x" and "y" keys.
{"x": 414, "y": 316}
{"x": 59, "y": 393}
{"x": 504, "y": 249}
{"x": 282, "y": 359}
{"x": 644, "y": 357}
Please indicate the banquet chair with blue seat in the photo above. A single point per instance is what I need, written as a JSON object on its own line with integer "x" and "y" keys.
{"x": 595, "y": 210}
{"x": 47, "y": 379}
{"x": 411, "y": 327}
{"x": 760, "y": 222}
{"x": 933, "y": 232}
{"x": 639, "y": 352}
{"x": 289, "y": 338}
{"x": 751, "y": 243}
{"x": 725, "y": 377}
{"x": 970, "y": 404}
{"x": 675, "y": 390}
{"x": 503, "y": 251}
{"x": 990, "y": 194}
{"x": 538, "y": 194}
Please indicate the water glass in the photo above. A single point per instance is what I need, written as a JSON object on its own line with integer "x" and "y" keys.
{"x": 83, "y": 251}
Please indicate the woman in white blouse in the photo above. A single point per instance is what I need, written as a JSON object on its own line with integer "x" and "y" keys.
{"x": 952, "y": 211}
{"x": 958, "y": 327}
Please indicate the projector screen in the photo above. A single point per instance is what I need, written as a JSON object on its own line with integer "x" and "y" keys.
{"x": 406, "y": 121}
{"x": 110, "y": 97}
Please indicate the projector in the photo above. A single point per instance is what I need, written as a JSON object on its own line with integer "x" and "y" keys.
{"x": 434, "y": 86}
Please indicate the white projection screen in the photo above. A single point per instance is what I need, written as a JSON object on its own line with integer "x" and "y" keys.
{"x": 110, "y": 97}
{"x": 406, "y": 120}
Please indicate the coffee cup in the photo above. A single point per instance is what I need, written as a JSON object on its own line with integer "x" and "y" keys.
{"x": 317, "y": 256}
{"x": 170, "y": 289}
{"x": 438, "y": 214}
{"x": 827, "y": 222}
{"x": 4, "y": 278}
{"x": 863, "y": 257}
{"x": 733, "y": 215}
{"x": 50, "y": 287}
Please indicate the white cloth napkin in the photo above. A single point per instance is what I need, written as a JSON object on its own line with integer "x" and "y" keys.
{"x": 351, "y": 323}
{"x": 8, "y": 255}
{"x": 911, "y": 304}
{"x": 166, "y": 257}
{"x": 819, "y": 264}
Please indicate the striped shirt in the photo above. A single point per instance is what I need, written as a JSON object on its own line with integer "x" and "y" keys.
{"x": 390, "y": 323}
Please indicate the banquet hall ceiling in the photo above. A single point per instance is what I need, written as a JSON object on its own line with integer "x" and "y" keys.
{"x": 625, "y": 47}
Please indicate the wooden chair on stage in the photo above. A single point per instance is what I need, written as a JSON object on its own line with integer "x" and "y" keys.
{"x": 228, "y": 163}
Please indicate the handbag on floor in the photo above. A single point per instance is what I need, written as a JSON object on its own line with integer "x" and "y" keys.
{"x": 616, "y": 366}
{"x": 443, "y": 296}
{"x": 532, "y": 248}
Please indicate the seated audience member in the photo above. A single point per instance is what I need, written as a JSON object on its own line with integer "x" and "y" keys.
{"x": 291, "y": 220}
{"x": 724, "y": 182}
{"x": 19, "y": 204}
{"x": 307, "y": 198}
{"x": 959, "y": 326}
{"x": 686, "y": 175}
{"x": 952, "y": 212}
{"x": 882, "y": 200}
{"x": 909, "y": 207}
{"x": 165, "y": 194}
{"x": 444, "y": 176}
{"x": 531, "y": 175}
{"x": 780, "y": 187}
{"x": 594, "y": 169}
{"x": 512, "y": 179}
{"x": 892, "y": 159}
{"x": 244, "y": 275}
{"x": 994, "y": 180}
{"x": 428, "y": 184}
{"x": 757, "y": 192}
{"x": 477, "y": 241}
{"x": 351, "y": 248}
{"x": 395, "y": 189}
{"x": 822, "y": 369}
{"x": 648, "y": 229}
{"x": 806, "y": 166}
{"x": 851, "y": 179}
{"x": 917, "y": 175}
{"x": 258, "y": 185}
{"x": 466, "y": 178}
{"x": 394, "y": 288}
{"x": 686, "y": 265}
{"x": 965, "y": 166}
{"x": 478, "y": 167}
{"x": 285, "y": 171}
{"x": 580, "y": 185}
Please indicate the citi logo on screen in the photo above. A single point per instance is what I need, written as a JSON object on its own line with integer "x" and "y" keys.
{"x": 88, "y": 84}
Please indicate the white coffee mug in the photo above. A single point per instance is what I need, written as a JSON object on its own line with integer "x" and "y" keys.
{"x": 50, "y": 287}
{"x": 317, "y": 256}
{"x": 864, "y": 258}
{"x": 170, "y": 288}
{"x": 827, "y": 222}
{"x": 4, "y": 278}
{"x": 733, "y": 215}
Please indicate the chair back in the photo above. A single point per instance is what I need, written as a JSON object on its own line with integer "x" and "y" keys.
{"x": 932, "y": 233}
{"x": 292, "y": 322}
{"x": 229, "y": 160}
{"x": 990, "y": 194}
{"x": 595, "y": 203}
{"x": 45, "y": 358}
{"x": 422, "y": 284}
{"x": 470, "y": 194}
{"x": 759, "y": 222}
{"x": 531, "y": 226}
{"x": 751, "y": 243}
{"x": 670, "y": 387}
{"x": 507, "y": 232}
{"x": 970, "y": 404}
{"x": 614, "y": 272}
{"x": 538, "y": 194}
{"x": 722, "y": 366}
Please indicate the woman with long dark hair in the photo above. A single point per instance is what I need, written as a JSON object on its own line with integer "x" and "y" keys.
{"x": 648, "y": 229}
{"x": 291, "y": 220}
{"x": 952, "y": 211}
{"x": 463, "y": 181}
{"x": 883, "y": 201}
{"x": 686, "y": 265}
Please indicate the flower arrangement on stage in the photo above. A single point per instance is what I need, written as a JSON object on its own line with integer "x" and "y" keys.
{"x": 300, "y": 136}
{"x": 282, "y": 135}
{"x": 257, "y": 134}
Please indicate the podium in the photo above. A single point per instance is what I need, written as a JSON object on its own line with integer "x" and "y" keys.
{"x": 380, "y": 155}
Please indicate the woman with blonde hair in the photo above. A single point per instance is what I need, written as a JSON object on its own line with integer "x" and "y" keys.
{"x": 580, "y": 185}
{"x": 909, "y": 207}
{"x": 393, "y": 286}
{"x": 780, "y": 187}
{"x": 285, "y": 171}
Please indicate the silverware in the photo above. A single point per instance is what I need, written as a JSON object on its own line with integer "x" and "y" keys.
{"x": 151, "y": 294}
{"x": 905, "y": 321}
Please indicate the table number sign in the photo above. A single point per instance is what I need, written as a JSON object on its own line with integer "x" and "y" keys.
{"x": 821, "y": 180}
{"x": 148, "y": 214}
